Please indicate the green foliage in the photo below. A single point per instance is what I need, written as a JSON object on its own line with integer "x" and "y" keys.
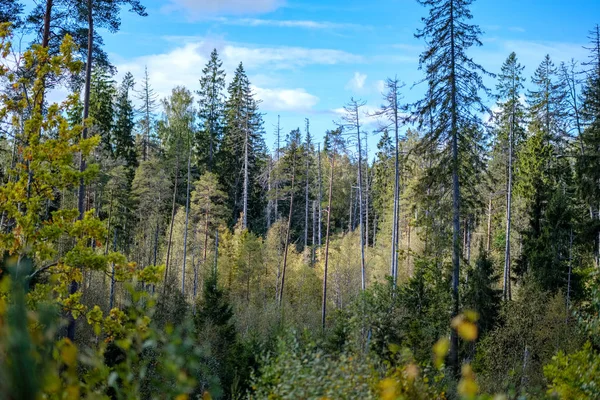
{"x": 300, "y": 369}
{"x": 574, "y": 376}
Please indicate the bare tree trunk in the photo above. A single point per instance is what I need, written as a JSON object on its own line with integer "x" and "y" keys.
{"x": 169, "y": 244}
{"x": 287, "y": 234}
{"x": 366, "y": 205}
{"x": 454, "y": 357}
{"x": 277, "y": 160}
{"x": 112, "y": 275}
{"x": 82, "y": 165}
{"x": 306, "y": 188}
{"x": 363, "y": 277}
{"x": 269, "y": 202}
{"x": 215, "y": 268}
{"x": 246, "y": 183}
{"x": 489, "y": 227}
{"x": 320, "y": 192}
{"x": 569, "y": 276}
{"x": 469, "y": 240}
{"x": 205, "y": 236}
{"x": 506, "y": 282}
{"x": 324, "y": 303}
{"x": 350, "y": 227}
{"x": 314, "y": 222}
{"x": 187, "y": 217}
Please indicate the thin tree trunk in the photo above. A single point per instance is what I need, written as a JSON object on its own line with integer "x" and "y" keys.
{"x": 205, "y": 235}
{"x": 366, "y": 192}
{"x": 350, "y": 227}
{"x": 569, "y": 276}
{"x": 324, "y": 300}
{"x": 455, "y": 193}
{"x": 287, "y": 234}
{"x": 277, "y": 160}
{"x": 86, "y": 113}
{"x": 172, "y": 220}
{"x": 269, "y": 202}
{"x": 363, "y": 277}
{"x": 506, "y": 285}
{"x": 306, "y": 188}
{"x": 112, "y": 275}
{"x": 187, "y": 217}
{"x": 314, "y": 221}
{"x": 489, "y": 227}
{"x": 246, "y": 183}
{"x": 215, "y": 268}
{"x": 320, "y": 193}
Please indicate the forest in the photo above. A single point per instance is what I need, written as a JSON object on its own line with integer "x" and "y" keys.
{"x": 159, "y": 248}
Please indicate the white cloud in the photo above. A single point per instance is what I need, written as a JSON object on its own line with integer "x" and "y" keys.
{"x": 357, "y": 82}
{"x": 183, "y": 65}
{"x": 279, "y": 99}
{"x": 285, "y": 57}
{"x": 380, "y": 86}
{"x": 304, "y": 24}
{"x": 197, "y": 9}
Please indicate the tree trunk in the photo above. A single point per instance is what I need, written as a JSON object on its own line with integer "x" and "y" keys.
{"x": 455, "y": 194}
{"x": 320, "y": 193}
{"x": 246, "y": 183}
{"x": 112, "y": 275}
{"x": 324, "y": 300}
{"x": 172, "y": 220}
{"x": 187, "y": 217}
{"x": 277, "y": 160}
{"x": 363, "y": 277}
{"x": 86, "y": 113}
{"x": 394, "y": 255}
{"x": 314, "y": 222}
{"x": 287, "y": 235}
{"x": 269, "y": 202}
{"x": 569, "y": 276}
{"x": 506, "y": 281}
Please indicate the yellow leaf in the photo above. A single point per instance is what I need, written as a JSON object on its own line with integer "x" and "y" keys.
{"x": 388, "y": 389}
{"x": 467, "y": 331}
{"x": 68, "y": 353}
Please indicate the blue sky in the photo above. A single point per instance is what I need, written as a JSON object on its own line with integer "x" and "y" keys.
{"x": 306, "y": 58}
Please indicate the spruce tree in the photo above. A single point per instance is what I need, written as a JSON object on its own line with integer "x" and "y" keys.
{"x": 452, "y": 104}
{"x": 211, "y": 103}
{"x": 149, "y": 100}
{"x": 124, "y": 141}
{"x": 510, "y": 121}
{"x": 242, "y": 154}
{"x": 103, "y": 108}
{"x": 546, "y": 101}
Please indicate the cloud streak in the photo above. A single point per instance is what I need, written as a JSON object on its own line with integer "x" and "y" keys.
{"x": 302, "y": 24}
{"x": 199, "y": 9}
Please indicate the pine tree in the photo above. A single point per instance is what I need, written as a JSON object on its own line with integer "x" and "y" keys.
{"x": 452, "y": 104}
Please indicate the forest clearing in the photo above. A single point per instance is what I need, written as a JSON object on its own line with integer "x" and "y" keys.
{"x": 248, "y": 236}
